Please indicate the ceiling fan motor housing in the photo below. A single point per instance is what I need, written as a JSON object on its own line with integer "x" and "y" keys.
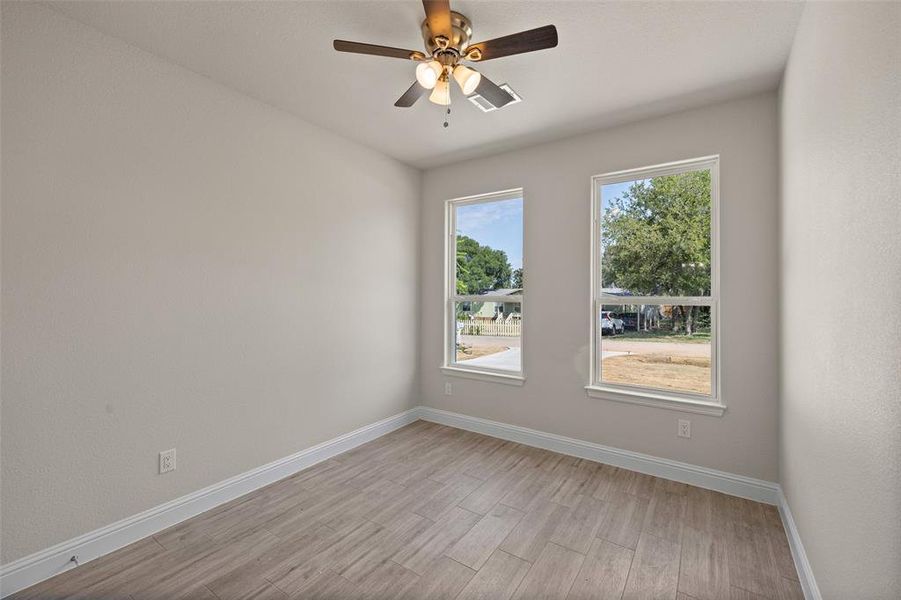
{"x": 461, "y": 34}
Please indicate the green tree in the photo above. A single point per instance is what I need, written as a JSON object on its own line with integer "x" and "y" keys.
{"x": 480, "y": 268}
{"x": 462, "y": 271}
{"x": 517, "y": 278}
{"x": 656, "y": 240}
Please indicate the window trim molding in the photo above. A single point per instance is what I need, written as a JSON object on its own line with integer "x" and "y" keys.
{"x": 697, "y": 403}
{"x": 449, "y": 365}
{"x": 483, "y": 375}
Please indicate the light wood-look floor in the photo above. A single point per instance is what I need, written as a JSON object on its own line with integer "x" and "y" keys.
{"x": 434, "y": 512}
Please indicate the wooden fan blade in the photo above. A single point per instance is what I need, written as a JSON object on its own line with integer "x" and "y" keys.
{"x": 438, "y": 14}
{"x": 411, "y": 96}
{"x": 517, "y": 43}
{"x": 493, "y": 93}
{"x": 374, "y": 50}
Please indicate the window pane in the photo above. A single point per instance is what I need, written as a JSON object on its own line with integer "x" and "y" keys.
{"x": 655, "y": 236}
{"x": 488, "y": 335}
{"x": 662, "y": 347}
{"x": 489, "y": 247}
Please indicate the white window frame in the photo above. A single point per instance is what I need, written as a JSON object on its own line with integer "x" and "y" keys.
{"x": 450, "y": 366}
{"x": 681, "y": 401}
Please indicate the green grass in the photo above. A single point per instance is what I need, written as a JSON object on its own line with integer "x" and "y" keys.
{"x": 663, "y": 335}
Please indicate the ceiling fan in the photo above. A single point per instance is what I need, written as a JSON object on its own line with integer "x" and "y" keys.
{"x": 446, "y": 34}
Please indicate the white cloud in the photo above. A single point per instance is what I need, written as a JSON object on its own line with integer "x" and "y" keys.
{"x": 474, "y": 217}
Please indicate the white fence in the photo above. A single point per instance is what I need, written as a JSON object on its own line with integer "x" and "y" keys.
{"x": 511, "y": 328}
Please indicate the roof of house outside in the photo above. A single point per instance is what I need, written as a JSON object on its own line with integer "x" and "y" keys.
{"x": 615, "y": 291}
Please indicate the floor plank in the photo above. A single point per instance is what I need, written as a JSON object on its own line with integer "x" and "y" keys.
{"x": 603, "y": 574}
{"x": 578, "y": 479}
{"x": 579, "y": 529}
{"x": 750, "y": 560}
{"x": 664, "y": 517}
{"x": 703, "y": 573}
{"x": 624, "y": 520}
{"x": 789, "y": 589}
{"x": 455, "y": 489}
{"x": 246, "y": 579}
{"x": 421, "y": 551}
{"x": 655, "y": 570}
{"x": 736, "y": 593}
{"x": 552, "y": 575}
{"x": 493, "y": 489}
{"x": 497, "y": 579}
{"x": 445, "y": 580}
{"x": 533, "y": 532}
{"x": 480, "y": 542}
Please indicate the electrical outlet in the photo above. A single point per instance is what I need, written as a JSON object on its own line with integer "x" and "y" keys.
{"x": 167, "y": 461}
{"x": 684, "y": 428}
{"x": 448, "y": 389}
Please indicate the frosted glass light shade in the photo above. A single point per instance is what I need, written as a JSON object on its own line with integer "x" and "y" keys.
{"x": 441, "y": 93}
{"x": 427, "y": 73}
{"x": 467, "y": 78}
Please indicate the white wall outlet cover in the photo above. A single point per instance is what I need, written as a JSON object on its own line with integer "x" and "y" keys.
{"x": 448, "y": 389}
{"x": 167, "y": 461}
{"x": 684, "y": 428}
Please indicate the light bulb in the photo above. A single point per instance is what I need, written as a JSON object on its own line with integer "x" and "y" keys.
{"x": 427, "y": 73}
{"x": 441, "y": 93}
{"x": 467, "y": 78}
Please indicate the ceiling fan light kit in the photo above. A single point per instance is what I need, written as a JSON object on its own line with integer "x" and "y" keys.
{"x": 441, "y": 93}
{"x": 447, "y": 35}
{"x": 468, "y": 79}
{"x": 427, "y": 73}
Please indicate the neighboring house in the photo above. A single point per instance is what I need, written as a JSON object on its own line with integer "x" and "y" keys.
{"x": 496, "y": 310}
{"x": 615, "y": 291}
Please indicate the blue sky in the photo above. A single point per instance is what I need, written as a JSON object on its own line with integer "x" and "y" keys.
{"x": 611, "y": 191}
{"x": 494, "y": 224}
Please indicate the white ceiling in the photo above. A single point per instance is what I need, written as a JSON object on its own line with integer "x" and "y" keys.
{"x": 616, "y": 61}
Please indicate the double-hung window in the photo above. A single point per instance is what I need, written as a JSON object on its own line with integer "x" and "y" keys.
{"x": 484, "y": 287}
{"x": 655, "y": 286}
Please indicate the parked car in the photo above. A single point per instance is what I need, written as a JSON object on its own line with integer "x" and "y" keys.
{"x": 610, "y": 325}
{"x": 630, "y": 321}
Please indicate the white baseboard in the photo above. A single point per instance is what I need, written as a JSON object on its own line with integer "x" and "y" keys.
{"x": 720, "y": 481}
{"x": 805, "y": 573}
{"x": 42, "y": 565}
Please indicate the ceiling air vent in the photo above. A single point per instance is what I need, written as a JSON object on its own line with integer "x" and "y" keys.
{"x": 486, "y": 106}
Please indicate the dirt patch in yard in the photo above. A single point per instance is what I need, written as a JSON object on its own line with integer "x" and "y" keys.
{"x": 470, "y": 352}
{"x": 679, "y": 373}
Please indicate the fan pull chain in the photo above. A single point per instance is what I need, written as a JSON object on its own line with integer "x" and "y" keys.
{"x": 447, "y": 117}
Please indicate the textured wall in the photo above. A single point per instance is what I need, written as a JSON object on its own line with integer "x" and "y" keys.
{"x": 556, "y": 181}
{"x": 182, "y": 267}
{"x": 841, "y": 284}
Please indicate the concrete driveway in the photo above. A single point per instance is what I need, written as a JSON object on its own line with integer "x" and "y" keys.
{"x": 508, "y": 360}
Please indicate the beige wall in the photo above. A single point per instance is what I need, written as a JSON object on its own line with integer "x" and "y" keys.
{"x": 841, "y": 284}
{"x": 556, "y": 182}
{"x": 182, "y": 267}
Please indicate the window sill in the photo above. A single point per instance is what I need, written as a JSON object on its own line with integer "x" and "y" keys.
{"x": 484, "y": 375}
{"x": 656, "y": 400}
